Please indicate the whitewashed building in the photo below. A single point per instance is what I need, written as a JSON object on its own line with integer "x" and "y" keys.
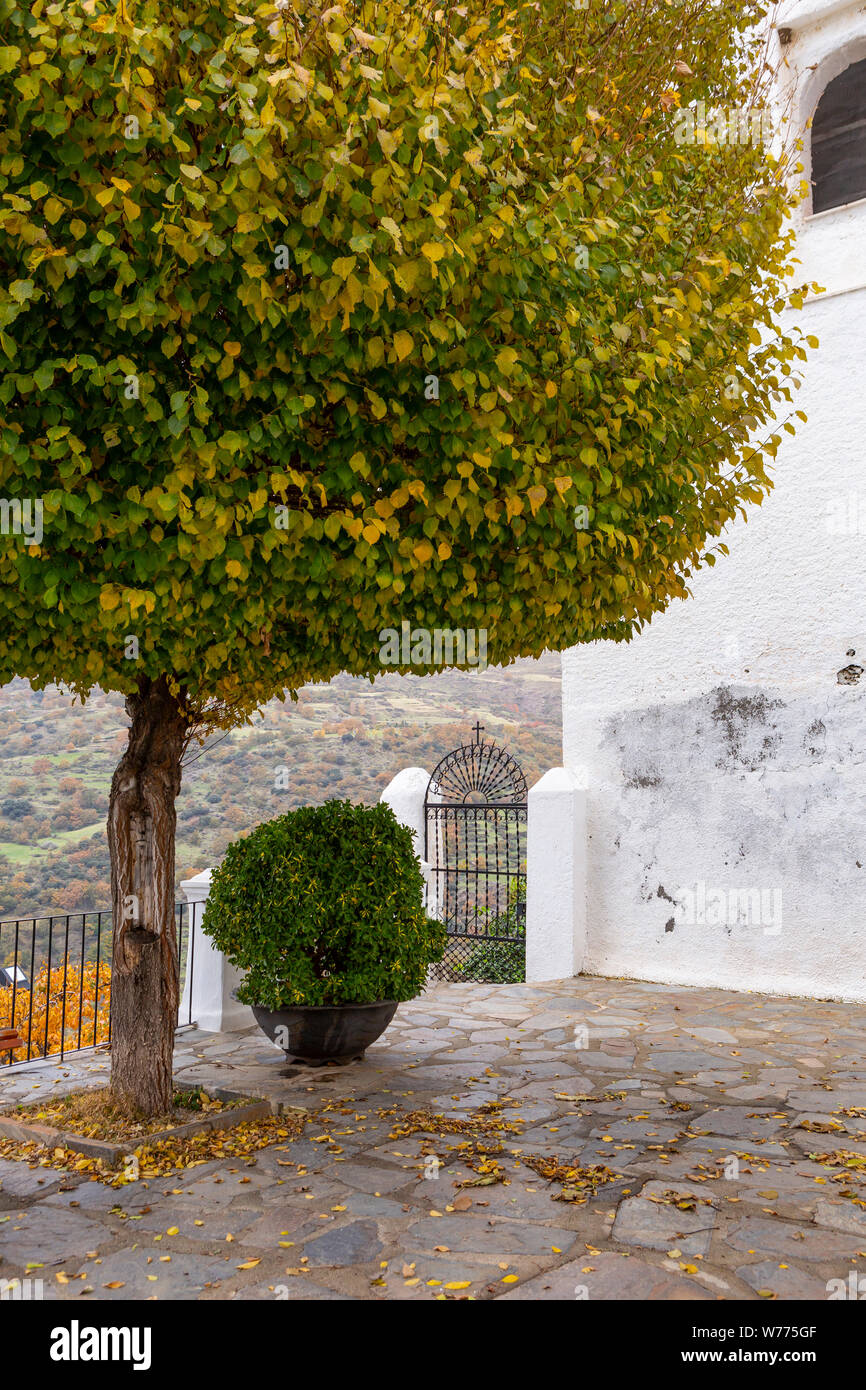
{"x": 723, "y": 751}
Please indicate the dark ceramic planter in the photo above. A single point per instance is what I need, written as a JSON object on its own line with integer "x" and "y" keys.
{"x": 330, "y": 1033}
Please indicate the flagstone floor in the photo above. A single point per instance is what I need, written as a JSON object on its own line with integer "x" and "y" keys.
{"x": 705, "y": 1105}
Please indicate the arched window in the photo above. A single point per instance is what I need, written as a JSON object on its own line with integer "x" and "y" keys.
{"x": 839, "y": 141}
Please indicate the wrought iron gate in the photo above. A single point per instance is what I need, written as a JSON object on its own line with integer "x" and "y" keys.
{"x": 475, "y": 844}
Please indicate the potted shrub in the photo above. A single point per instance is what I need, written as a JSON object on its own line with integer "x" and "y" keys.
{"x": 323, "y": 909}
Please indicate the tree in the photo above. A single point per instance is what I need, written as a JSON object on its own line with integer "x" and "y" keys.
{"x": 319, "y": 318}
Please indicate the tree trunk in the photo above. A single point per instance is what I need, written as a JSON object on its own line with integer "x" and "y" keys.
{"x": 141, "y": 826}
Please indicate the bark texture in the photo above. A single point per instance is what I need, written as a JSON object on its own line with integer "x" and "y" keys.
{"x": 141, "y": 827}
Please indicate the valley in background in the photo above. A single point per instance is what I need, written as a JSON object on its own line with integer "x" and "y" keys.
{"x": 346, "y": 739}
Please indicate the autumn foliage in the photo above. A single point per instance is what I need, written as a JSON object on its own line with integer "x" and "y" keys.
{"x": 65, "y": 999}
{"x": 320, "y": 318}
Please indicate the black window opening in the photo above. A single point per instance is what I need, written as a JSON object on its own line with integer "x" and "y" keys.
{"x": 839, "y": 141}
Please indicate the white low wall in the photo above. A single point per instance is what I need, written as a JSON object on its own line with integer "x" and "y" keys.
{"x": 556, "y": 877}
{"x": 208, "y": 1000}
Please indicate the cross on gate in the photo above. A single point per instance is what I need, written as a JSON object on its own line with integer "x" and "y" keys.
{"x": 478, "y": 731}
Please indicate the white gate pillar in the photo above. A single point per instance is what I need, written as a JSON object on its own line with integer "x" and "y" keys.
{"x": 556, "y": 877}
{"x": 208, "y": 1001}
{"x": 405, "y": 795}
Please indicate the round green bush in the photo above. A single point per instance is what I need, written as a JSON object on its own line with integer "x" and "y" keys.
{"x": 324, "y": 906}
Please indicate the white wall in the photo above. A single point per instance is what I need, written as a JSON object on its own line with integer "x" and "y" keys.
{"x": 720, "y": 747}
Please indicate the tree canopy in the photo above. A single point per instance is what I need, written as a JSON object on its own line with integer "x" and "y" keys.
{"x": 317, "y": 317}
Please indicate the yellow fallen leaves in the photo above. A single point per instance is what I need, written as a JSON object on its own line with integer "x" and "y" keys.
{"x": 577, "y": 1184}
{"x": 167, "y": 1156}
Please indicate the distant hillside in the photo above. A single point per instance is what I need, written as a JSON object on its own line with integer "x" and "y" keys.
{"x": 345, "y": 739}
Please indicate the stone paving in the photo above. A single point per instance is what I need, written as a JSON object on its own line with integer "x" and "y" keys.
{"x": 706, "y": 1106}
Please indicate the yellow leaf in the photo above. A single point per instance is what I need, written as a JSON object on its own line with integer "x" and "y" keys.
{"x": 423, "y": 552}
{"x": 509, "y": 1279}
{"x": 172, "y": 1230}
{"x": 234, "y": 569}
{"x": 391, "y": 227}
{"x": 405, "y": 274}
{"x": 370, "y": 534}
{"x": 433, "y": 250}
{"x": 231, "y": 349}
{"x": 459, "y": 1284}
{"x": 248, "y": 1264}
{"x": 403, "y": 344}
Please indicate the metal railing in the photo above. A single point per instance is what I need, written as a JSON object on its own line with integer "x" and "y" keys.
{"x": 55, "y": 981}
